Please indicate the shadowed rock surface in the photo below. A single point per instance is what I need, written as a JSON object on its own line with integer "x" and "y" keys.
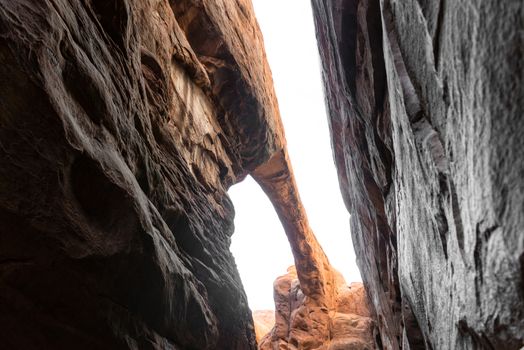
{"x": 122, "y": 124}
{"x": 425, "y": 105}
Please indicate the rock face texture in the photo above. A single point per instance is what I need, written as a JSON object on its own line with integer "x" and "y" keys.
{"x": 317, "y": 277}
{"x": 426, "y": 101}
{"x": 307, "y": 301}
{"x": 300, "y": 323}
{"x": 264, "y": 320}
{"x": 122, "y": 124}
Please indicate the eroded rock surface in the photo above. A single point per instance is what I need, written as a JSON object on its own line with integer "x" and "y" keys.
{"x": 264, "y": 321}
{"x": 313, "y": 268}
{"x": 307, "y": 298}
{"x": 302, "y": 323}
{"x": 122, "y": 124}
{"x": 425, "y": 104}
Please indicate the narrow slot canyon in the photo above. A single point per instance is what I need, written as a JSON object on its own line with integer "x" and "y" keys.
{"x": 145, "y": 146}
{"x": 260, "y": 253}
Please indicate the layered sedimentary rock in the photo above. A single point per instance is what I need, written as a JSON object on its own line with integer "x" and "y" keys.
{"x": 425, "y": 105}
{"x": 300, "y": 323}
{"x": 122, "y": 124}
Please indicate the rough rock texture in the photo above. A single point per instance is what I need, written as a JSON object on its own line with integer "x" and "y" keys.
{"x": 306, "y": 300}
{"x": 122, "y": 124}
{"x": 314, "y": 271}
{"x": 300, "y": 323}
{"x": 315, "y": 275}
{"x": 426, "y": 101}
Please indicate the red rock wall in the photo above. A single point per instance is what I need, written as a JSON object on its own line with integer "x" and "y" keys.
{"x": 122, "y": 124}
{"x": 425, "y": 107}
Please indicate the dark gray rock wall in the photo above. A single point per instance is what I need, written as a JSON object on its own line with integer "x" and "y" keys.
{"x": 425, "y": 104}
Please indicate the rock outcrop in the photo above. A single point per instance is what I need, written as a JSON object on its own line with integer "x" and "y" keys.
{"x": 306, "y": 300}
{"x": 301, "y": 323}
{"x": 264, "y": 320}
{"x": 425, "y": 105}
{"x": 122, "y": 124}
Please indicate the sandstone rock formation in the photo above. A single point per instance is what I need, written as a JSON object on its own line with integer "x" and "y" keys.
{"x": 314, "y": 271}
{"x": 425, "y": 104}
{"x": 264, "y": 320}
{"x": 307, "y": 299}
{"x": 122, "y": 124}
{"x": 302, "y": 324}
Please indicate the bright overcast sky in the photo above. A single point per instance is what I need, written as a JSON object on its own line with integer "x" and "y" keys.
{"x": 260, "y": 247}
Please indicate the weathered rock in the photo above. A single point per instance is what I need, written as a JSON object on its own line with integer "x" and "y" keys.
{"x": 312, "y": 265}
{"x": 306, "y": 298}
{"x": 122, "y": 124}
{"x": 264, "y": 321}
{"x": 304, "y": 323}
{"x": 318, "y": 280}
{"x": 425, "y": 107}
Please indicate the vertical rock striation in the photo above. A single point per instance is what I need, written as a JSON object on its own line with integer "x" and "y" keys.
{"x": 425, "y": 104}
{"x": 122, "y": 124}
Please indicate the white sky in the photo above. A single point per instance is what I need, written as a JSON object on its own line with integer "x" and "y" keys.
{"x": 260, "y": 246}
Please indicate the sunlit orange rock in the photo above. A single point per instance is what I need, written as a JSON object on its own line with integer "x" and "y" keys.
{"x": 264, "y": 321}
{"x": 305, "y": 323}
